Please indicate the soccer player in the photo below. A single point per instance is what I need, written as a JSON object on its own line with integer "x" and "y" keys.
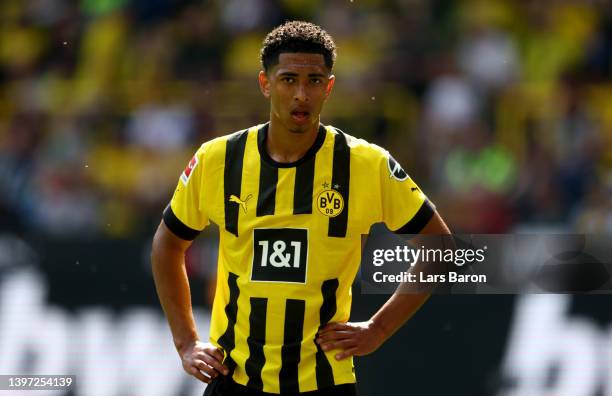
{"x": 292, "y": 198}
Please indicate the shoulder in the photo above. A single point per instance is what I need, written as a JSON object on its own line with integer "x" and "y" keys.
{"x": 214, "y": 150}
{"x": 361, "y": 149}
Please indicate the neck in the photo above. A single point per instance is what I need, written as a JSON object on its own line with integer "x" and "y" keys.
{"x": 285, "y": 146}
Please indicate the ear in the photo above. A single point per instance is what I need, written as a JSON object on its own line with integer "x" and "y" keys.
{"x": 330, "y": 85}
{"x": 264, "y": 84}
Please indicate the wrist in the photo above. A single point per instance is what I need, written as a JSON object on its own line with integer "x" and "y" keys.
{"x": 181, "y": 344}
{"x": 379, "y": 331}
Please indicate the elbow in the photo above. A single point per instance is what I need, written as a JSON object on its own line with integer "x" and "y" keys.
{"x": 436, "y": 226}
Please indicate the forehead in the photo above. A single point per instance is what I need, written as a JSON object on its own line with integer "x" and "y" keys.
{"x": 301, "y": 62}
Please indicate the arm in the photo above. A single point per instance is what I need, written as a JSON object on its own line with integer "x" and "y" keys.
{"x": 172, "y": 285}
{"x": 363, "y": 338}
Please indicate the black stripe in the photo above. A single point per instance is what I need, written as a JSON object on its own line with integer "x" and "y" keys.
{"x": 419, "y": 220}
{"x": 325, "y": 375}
{"x": 228, "y": 339}
{"x": 177, "y": 227}
{"x": 341, "y": 176}
{"x": 302, "y": 191}
{"x": 268, "y": 178}
{"x": 232, "y": 178}
{"x": 256, "y": 340}
{"x": 292, "y": 345}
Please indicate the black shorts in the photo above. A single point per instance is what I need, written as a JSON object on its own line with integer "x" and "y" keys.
{"x": 224, "y": 386}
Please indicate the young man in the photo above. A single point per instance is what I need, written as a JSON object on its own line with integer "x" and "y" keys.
{"x": 292, "y": 198}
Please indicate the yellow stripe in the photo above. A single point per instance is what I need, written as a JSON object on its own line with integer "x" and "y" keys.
{"x": 306, "y": 368}
{"x": 275, "y": 334}
{"x": 241, "y": 351}
{"x": 284, "y": 191}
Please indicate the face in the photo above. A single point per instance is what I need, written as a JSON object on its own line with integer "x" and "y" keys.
{"x": 297, "y": 88}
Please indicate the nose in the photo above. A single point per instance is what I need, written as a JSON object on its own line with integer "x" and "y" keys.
{"x": 300, "y": 94}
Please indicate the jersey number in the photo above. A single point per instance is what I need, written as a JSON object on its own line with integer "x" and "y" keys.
{"x": 280, "y": 255}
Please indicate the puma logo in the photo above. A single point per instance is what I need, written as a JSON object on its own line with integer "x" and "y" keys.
{"x": 413, "y": 189}
{"x": 243, "y": 204}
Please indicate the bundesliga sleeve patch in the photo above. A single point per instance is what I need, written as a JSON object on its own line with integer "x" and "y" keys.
{"x": 395, "y": 169}
{"x": 189, "y": 170}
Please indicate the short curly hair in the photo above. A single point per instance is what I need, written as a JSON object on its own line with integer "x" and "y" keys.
{"x": 297, "y": 36}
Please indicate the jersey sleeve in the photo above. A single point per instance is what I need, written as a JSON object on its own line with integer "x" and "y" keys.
{"x": 405, "y": 208}
{"x": 186, "y": 215}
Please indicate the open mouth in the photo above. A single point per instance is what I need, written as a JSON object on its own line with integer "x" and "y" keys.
{"x": 300, "y": 116}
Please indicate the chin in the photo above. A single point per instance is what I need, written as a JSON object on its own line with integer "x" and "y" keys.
{"x": 299, "y": 129}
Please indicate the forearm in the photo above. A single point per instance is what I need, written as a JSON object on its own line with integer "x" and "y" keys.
{"x": 408, "y": 298}
{"x": 172, "y": 285}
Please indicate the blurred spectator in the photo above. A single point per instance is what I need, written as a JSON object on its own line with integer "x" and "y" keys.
{"x": 478, "y": 178}
{"x": 160, "y": 128}
{"x": 240, "y": 16}
{"x": 450, "y": 104}
{"x": 577, "y": 144}
{"x": 487, "y": 53}
{"x": 537, "y": 194}
{"x": 65, "y": 203}
{"x": 18, "y": 163}
{"x": 199, "y": 53}
{"x": 594, "y": 215}
{"x": 500, "y": 108}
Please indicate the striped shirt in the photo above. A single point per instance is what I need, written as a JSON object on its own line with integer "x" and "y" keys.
{"x": 290, "y": 246}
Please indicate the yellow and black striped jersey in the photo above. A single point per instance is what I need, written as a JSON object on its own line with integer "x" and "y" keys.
{"x": 290, "y": 246}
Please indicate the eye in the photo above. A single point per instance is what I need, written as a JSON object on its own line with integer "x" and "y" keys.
{"x": 287, "y": 79}
{"x": 316, "y": 80}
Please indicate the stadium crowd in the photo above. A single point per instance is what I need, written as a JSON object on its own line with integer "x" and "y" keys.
{"x": 500, "y": 109}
